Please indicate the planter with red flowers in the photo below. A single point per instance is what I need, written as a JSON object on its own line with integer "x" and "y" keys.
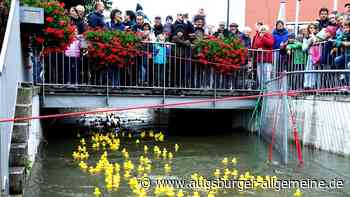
{"x": 225, "y": 55}
{"x": 57, "y": 33}
{"x": 112, "y": 48}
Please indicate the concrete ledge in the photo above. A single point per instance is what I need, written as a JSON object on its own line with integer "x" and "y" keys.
{"x": 23, "y": 110}
{"x": 17, "y": 179}
{"x": 18, "y": 154}
{"x": 20, "y": 132}
{"x": 24, "y": 95}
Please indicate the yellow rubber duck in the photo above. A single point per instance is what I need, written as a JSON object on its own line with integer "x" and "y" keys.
{"x": 298, "y": 193}
{"x": 167, "y": 168}
{"x": 180, "y": 193}
{"x": 151, "y": 134}
{"x": 177, "y": 148}
{"x": 217, "y": 173}
{"x": 143, "y": 135}
{"x": 137, "y": 141}
{"x": 225, "y": 161}
{"x": 196, "y": 194}
{"x": 97, "y": 192}
{"x": 129, "y": 136}
{"x": 170, "y": 156}
{"x": 145, "y": 149}
{"x": 234, "y": 161}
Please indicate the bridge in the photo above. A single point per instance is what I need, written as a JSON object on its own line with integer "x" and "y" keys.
{"x": 289, "y": 110}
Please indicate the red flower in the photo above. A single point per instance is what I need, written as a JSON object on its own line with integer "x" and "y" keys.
{"x": 49, "y": 19}
{"x": 39, "y": 40}
{"x": 62, "y": 23}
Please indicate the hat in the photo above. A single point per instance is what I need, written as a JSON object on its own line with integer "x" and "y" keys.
{"x": 169, "y": 18}
{"x": 222, "y": 23}
{"x": 291, "y": 36}
{"x": 233, "y": 25}
{"x": 331, "y": 30}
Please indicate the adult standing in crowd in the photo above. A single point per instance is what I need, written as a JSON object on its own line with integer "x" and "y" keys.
{"x": 129, "y": 19}
{"x": 76, "y": 20}
{"x": 189, "y": 26}
{"x": 245, "y": 38}
{"x": 347, "y": 9}
{"x": 323, "y": 18}
{"x": 280, "y": 34}
{"x": 263, "y": 59}
{"x": 222, "y": 32}
{"x": 96, "y": 19}
{"x": 234, "y": 30}
{"x": 116, "y": 21}
{"x": 179, "y": 21}
{"x": 168, "y": 26}
{"x": 199, "y": 30}
{"x": 138, "y": 27}
{"x": 158, "y": 27}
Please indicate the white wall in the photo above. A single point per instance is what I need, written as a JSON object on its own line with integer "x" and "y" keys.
{"x": 35, "y": 130}
{"x": 216, "y": 10}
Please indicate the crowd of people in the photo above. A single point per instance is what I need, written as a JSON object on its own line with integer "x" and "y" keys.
{"x": 280, "y": 46}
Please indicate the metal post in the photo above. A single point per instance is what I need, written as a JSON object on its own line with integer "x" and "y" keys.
{"x": 282, "y": 11}
{"x": 335, "y": 5}
{"x": 285, "y": 116}
{"x": 297, "y": 13}
{"x": 228, "y": 14}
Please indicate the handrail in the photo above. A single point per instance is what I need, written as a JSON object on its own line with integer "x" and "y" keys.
{"x": 11, "y": 74}
{"x": 5, "y": 43}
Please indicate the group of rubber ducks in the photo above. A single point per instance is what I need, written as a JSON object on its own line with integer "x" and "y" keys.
{"x": 132, "y": 171}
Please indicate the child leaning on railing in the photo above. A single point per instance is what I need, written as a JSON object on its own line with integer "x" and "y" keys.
{"x": 161, "y": 52}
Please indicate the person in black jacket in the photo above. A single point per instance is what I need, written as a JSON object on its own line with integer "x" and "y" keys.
{"x": 138, "y": 27}
{"x": 222, "y": 32}
{"x": 76, "y": 20}
{"x": 158, "y": 27}
{"x": 96, "y": 19}
{"x": 323, "y": 21}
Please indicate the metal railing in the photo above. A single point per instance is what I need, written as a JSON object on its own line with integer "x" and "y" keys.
{"x": 11, "y": 73}
{"x": 163, "y": 65}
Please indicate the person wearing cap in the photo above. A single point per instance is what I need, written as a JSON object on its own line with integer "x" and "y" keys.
{"x": 199, "y": 30}
{"x": 179, "y": 21}
{"x": 158, "y": 27}
{"x": 222, "y": 32}
{"x": 233, "y": 29}
{"x": 280, "y": 34}
{"x": 327, "y": 35}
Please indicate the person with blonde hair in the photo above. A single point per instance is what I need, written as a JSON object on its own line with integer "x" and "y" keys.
{"x": 245, "y": 37}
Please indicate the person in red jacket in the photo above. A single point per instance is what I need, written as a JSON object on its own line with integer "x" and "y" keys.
{"x": 263, "y": 44}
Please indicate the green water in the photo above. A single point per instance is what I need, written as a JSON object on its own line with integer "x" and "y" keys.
{"x": 55, "y": 174}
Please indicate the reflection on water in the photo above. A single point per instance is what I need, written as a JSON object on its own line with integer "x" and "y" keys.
{"x": 54, "y": 173}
